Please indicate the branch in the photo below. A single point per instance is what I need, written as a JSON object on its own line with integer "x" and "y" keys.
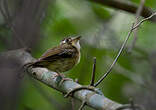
{"x": 93, "y": 72}
{"x": 51, "y": 79}
{"x": 127, "y": 6}
{"x": 122, "y": 48}
{"x": 91, "y": 82}
{"x": 6, "y": 16}
{"x": 116, "y": 58}
{"x": 139, "y": 10}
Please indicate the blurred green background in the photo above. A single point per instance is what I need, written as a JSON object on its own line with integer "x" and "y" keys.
{"x": 103, "y": 30}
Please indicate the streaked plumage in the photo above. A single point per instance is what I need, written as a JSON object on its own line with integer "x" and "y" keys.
{"x": 61, "y": 58}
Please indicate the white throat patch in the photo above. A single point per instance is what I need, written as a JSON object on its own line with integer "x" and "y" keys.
{"x": 77, "y": 45}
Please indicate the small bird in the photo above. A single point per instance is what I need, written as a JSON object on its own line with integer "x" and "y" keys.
{"x": 62, "y": 57}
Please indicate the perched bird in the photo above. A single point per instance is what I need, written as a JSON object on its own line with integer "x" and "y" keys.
{"x": 62, "y": 57}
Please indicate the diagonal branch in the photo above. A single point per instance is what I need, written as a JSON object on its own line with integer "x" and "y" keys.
{"x": 139, "y": 10}
{"x": 6, "y": 16}
{"x": 126, "y": 6}
{"x": 93, "y": 72}
{"x": 94, "y": 100}
{"x": 122, "y": 48}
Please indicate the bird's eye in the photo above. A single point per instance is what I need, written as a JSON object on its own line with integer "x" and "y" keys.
{"x": 67, "y": 40}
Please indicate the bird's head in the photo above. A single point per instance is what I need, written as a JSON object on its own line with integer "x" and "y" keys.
{"x": 74, "y": 41}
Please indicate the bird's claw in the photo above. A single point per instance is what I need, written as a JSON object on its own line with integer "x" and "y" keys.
{"x": 61, "y": 78}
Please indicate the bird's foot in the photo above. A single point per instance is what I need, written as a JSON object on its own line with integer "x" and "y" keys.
{"x": 62, "y": 78}
{"x": 59, "y": 75}
{"x": 91, "y": 88}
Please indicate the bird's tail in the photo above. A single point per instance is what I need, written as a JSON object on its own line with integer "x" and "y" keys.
{"x": 27, "y": 66}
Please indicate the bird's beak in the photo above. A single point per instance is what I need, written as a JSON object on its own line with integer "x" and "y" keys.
{"x": 76, "y": 39}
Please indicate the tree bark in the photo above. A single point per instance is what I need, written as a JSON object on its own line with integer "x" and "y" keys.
{"x": 93, "y": 99}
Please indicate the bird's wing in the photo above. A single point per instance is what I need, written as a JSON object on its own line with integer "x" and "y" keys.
{"x": 58, "y": 52}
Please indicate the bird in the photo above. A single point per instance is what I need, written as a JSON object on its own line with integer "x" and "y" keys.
{"x": 62, "y": 57}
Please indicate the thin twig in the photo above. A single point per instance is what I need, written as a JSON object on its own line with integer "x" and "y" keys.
{"x": 112, "y": 65}
{"x": 73, "y": 103}
{"x": 93, "y": 72}
{"x": 6, "y": 16}
{"x": 121, "y": 49}
{"x": 5, "y": 4}
{"x": 80, "y": 88}
{"x": 145, "y": 19}
{"x": 82, "y": 105}
{"x": 132, "y": 104}
{"x": 72, "y": 99}
{"x": 138, "y": 13}
{"x": 92, "y": 81}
